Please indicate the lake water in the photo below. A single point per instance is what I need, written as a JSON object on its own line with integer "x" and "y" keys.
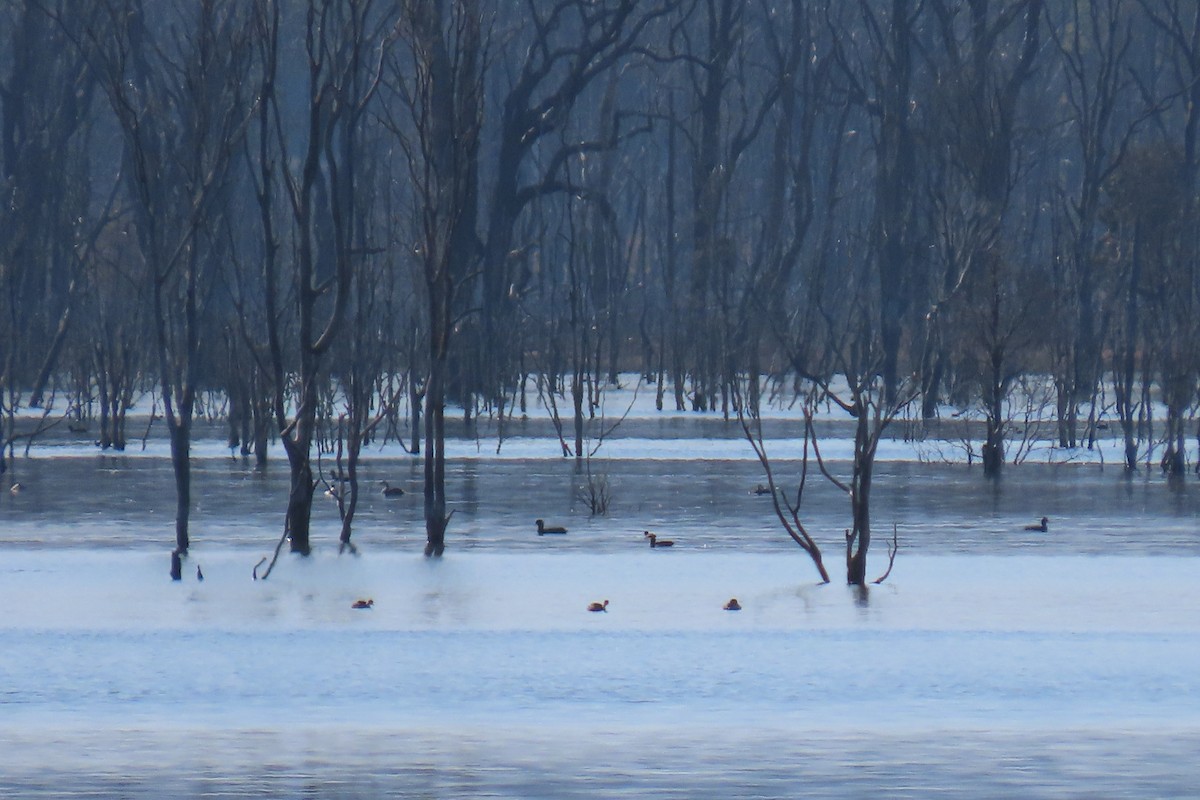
{"x": 993, "y": 662}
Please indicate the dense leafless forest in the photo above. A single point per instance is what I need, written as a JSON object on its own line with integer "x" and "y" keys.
{"x": 331, "y": 212}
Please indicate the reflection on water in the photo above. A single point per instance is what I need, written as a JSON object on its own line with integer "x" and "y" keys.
{"x": 937, "y": 508}
{"x": 940, "y": 683}
{"x": 519, "y": 763}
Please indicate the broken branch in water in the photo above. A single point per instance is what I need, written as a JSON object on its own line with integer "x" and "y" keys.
{"x": 893, "y": 548}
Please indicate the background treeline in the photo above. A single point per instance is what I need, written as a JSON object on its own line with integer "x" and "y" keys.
{"x": 349, "y": 211}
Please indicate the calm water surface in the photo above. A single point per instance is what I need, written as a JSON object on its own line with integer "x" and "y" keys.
{"x": 839, "y": 713}
{"x": 125, "y": 501}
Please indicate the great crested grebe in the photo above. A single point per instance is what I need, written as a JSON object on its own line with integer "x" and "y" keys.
{"x": 1042, "y": 526}
{"x": 390, "y": 491}
{"x": 363, "y": 604}
{"x": 733, "y": 605}
{"x": 656, "y": 542}
{"x": 598, "y": 606}
{"x": 543, "y": 529}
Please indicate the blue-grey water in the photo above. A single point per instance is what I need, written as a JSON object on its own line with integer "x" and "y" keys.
{"x": 234, "y": 689}
{"x": 129, "y": 501}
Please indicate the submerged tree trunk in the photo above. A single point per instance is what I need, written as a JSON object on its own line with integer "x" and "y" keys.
{"x": 356, "y": 422}
{"x": 298, "y": 446}
{"x": 858, "y": 541}
{"x": 181, "y": 439}
{"x": 445, "y": 96}
{"x": 299, "y": 508}
{"x": 1125, "y": 362}
{"x": 577, "y": 408}
{"x": 435, "y": 463}
{"x": 1174, "y": 460}
{"x": 993, "y": 446}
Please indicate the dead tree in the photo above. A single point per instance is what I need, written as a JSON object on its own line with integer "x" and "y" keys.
{"x": 439, "y": 87}
{"x": 972, "y": 140}
{"x": 343, "y": 48}
{"x": 1179, "y": 23}
{"x": 716, "y": 44}
{"x": 878, "y": 66}
{"x": 786, "y": 503}
{"x": 48, "y": 220}
{"x": 1093, "y": 41}
{"x": 564, "y": 47}
{"x": 866, "y": 401}
{"x": 179, "y": 104}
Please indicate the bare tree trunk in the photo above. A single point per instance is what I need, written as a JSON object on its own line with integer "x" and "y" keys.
{"x": 298, "y": 446}
{"x": 858, "y": 542}
{"x": 181, "y": 441}
{"x": 1125, "y": 361}
{"x": 993, "y": 446}
{"x": 444, "y": 97}
{"x": 435, "y": 438}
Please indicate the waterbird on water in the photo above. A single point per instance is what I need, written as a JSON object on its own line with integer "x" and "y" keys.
{"x": 199, "y": 573}
{"x": 363, "y": 604}
{"x": 598, "y": 606}
{"x": 390, "y": 491}
{"x": 15, "y": 488}
{"x": 1042, "y": 526}
{"x": 732, "y": 605}
{"x": 656, "y": 542}
{"x": 543, "y": 529}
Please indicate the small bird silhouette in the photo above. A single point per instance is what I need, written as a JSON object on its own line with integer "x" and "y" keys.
{"x": 598, "y": 606}
{"x": 733, "y": 605}
{"x": 1042, "y": 526}
{"x": 363, "y": 604}
{"x": 543, "y": 529}
{"x": 760, "y": 489}
{"x": 390, "y": 491}
{"x": 199, "y": 573}
{"x": 656, "y": 542}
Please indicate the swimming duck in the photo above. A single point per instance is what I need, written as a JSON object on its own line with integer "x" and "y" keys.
{"x": 598, "y": 606}
{"x": 1042, "y": 526}
{"x": 543, "y": 530}
{"x": 732, "y": 605}
{"x": 390, "y": 491}
{"x": 655, "y": 542}
{"x": 362, "y": 604}
{"x": 760, "y": 489}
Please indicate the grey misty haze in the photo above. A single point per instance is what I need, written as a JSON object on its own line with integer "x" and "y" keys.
{"x": 789, "y": 284}
{"x": 341, "y": 218}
